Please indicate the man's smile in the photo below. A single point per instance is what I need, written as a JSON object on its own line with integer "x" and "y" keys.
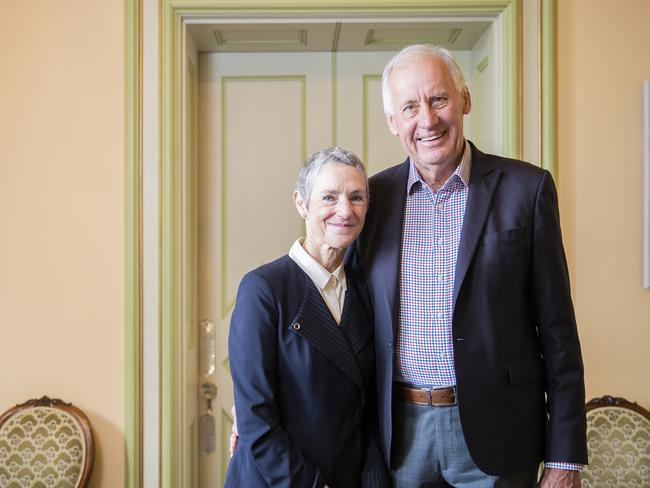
{"x": 432, "y": 138}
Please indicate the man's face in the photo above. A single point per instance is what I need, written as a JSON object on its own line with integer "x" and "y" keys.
{"x": 428, "y": 112}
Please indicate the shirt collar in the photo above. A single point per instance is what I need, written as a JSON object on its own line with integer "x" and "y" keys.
{"x": 316, "y": 272}
{"x": 462, "y": 171}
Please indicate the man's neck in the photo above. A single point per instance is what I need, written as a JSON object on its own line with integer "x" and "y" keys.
{"x": 435, "y": 177}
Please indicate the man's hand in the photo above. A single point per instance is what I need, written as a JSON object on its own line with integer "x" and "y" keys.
{"x": 234, "y": 435}
{"x": 559, "y": 478}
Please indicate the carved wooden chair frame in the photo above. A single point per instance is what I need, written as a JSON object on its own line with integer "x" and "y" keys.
{"x": 80, "y": 418}
{"x": 610, "y": 401}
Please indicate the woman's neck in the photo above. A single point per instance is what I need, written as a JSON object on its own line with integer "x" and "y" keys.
{"x": 328, "y": 257}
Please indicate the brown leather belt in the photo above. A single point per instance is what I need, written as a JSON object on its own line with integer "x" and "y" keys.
{"x": 436, "y": 397}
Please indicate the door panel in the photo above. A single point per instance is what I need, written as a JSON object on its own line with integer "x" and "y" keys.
{"x": 258, "y": 181}
{"x": 485, "y": 95}
{"x": 361, "y": 121}
{"x": 261, "y": 114}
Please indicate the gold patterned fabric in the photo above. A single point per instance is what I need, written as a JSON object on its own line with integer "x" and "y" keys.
{"x": 618, "y": 440}
{"x": 41, "y": 447}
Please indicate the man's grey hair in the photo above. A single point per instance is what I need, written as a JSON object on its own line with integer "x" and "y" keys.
{"x": 417, "y": 50}
{"x": 317, "y": 161}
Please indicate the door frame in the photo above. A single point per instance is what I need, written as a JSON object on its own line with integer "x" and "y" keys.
{"x": 172, "y": 16}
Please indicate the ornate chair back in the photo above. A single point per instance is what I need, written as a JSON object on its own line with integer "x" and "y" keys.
{"x": 45, "y": 443}
{"x": 618, "y": 439}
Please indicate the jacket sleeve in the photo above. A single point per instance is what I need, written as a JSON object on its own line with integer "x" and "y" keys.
{"x": 253, "y": 351}
{"x": 375, "y": 473}
{"x": 566, "y": 424}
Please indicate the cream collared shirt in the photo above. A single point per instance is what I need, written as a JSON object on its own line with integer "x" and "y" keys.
{"x": 331, "y": 286}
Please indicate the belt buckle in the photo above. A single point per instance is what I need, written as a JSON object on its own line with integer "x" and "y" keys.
{"x": 427, "y": 394}
{"x": 430, "y": 399}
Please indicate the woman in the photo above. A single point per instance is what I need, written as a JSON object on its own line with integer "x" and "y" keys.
{"x": 301, "y": 347}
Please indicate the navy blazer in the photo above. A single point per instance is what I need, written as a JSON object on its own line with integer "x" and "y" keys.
{"x": 302, "y": 384}
{"x": 514, "y": 331}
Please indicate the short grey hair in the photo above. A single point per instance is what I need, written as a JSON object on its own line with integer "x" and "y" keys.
{"x": 317, "y": 161}
{"x": 413, "y": 51}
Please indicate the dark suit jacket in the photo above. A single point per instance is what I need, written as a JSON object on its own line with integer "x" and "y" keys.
{"x": 302, "y": 384}
{"x": 514, "y": 330}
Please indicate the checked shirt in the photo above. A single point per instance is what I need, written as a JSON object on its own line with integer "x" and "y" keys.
{"x": 432, "y": 225}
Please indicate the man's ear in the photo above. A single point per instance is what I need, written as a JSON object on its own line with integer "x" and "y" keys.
{"x": 392, "y": 127}
{"x": 468, "y": 101}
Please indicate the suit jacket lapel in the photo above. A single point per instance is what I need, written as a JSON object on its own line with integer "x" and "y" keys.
{"x": 482, "y": 184}
{"x": 355, "y": 322}
{"x": 391, "y": 214}
{"x": 315, "y": 323}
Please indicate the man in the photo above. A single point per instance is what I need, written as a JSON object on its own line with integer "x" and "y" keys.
{"x": 479, "y": 370}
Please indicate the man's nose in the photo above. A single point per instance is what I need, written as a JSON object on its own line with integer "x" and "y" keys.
{"x": 428, "y": 117}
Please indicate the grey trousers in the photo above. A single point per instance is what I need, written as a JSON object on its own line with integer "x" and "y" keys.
{"x": 429, "y": 451}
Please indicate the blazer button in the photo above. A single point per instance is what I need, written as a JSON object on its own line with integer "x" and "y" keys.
{"x": 296, "y": 326}
{"x": 390, "y": 343}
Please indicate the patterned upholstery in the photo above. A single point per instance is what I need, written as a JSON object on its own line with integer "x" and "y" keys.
{"x": 45, "y": 443}
{"x": 618, "y": 438}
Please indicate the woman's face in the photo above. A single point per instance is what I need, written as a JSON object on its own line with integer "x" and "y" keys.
{"x": 337, "y": 207}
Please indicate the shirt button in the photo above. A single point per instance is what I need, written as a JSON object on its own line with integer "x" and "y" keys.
{"x": 441, "y": 315}
{"x": 441, "y": 278}
{"x": 441, "y": 241}
{"x": 440, "y": 206}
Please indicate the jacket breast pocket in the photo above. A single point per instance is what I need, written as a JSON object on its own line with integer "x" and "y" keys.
{"x": 526, "y": 370}
{"x": 507, "y": 235}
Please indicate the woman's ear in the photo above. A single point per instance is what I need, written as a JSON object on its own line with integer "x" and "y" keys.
{"x": 300, "y": 205}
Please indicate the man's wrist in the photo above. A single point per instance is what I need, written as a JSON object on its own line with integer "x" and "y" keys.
{"x": 563, "y": 465}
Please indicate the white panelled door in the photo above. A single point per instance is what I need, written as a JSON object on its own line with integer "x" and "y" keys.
{"x": 260, "y": 115}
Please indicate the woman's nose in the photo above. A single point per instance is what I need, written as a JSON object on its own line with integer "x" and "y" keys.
{"x": 344, "y": 207}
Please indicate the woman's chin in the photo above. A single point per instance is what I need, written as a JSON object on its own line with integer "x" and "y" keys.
{"x": 342, "y": 242}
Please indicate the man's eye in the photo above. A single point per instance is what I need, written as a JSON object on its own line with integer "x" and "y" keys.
{"x": 438, "y": 102}
{"x": 328, "y": 198}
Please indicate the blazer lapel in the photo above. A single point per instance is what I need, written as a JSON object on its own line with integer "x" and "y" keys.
{"x": 482, "y": 184}
{"x": 392, "y": 217}
{"x": 315, "y": 323}
{"x": 355, "y": 322}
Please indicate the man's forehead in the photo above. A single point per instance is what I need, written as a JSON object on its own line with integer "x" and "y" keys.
{"x": 421, "y": 73}
{"x": 421, "y": 61}
{"x": 417, "y": 79}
